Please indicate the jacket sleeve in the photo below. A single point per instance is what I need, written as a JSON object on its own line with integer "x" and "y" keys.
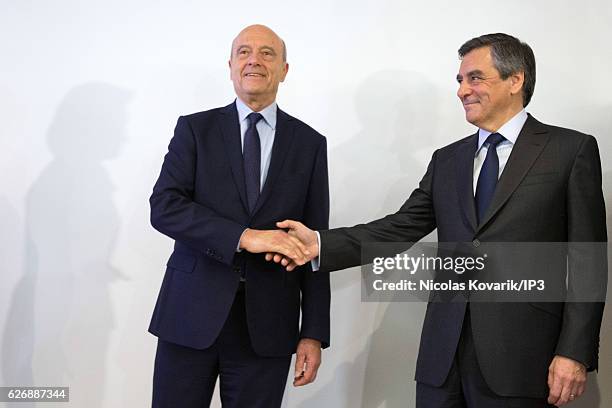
{"x": 315, "y": 286}
{"x": 341, "y": 247}
{"x": 173, "y": 210}
{"x": 587, "y": 262}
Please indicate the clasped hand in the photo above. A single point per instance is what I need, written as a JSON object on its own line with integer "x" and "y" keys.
{"x": 292, "y": 245}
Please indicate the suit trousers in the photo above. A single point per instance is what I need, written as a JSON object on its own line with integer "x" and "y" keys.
{"x": 185, "y": 377}
{"x": 465, "y": 387}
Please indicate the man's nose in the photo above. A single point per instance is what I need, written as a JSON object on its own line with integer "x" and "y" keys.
{"x": 253, "y": 59}
{"x": 464, "y": 90}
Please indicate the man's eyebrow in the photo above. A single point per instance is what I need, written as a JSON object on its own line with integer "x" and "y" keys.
{"x": 243, "y": 46}
{"x": 475, "y": 72}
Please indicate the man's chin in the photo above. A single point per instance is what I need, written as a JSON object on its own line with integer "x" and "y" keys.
{"x": 471, "y": 116}
{"x": 254, "y": 88}
{"x": 251, "y": 93}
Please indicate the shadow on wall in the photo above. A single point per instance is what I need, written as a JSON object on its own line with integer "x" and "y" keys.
{"x": 346, "y": 386}
{"x": 72, "y": 225}
{"x": 16, "y": 350}
{"x": 596, "y": 120}
{"x": 595, "y": 396}
{"x": 389, "y": 376}
{"x": 373, "y": 173}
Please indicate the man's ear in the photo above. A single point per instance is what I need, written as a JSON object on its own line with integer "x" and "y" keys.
{"x": 285, "y": 72}
{"x": 516, "y": 82}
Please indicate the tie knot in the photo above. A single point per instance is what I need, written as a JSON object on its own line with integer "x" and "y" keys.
{"x": 253, "y": 118}
{"x": 494, "y": 139}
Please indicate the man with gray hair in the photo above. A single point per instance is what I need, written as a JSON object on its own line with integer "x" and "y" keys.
{"x": 224, "y": 312}
{"x": 514, "y": 180}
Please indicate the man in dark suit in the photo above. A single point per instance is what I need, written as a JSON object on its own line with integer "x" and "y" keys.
{"x": 514, "y": 180}
{"x": 223, "y": 311}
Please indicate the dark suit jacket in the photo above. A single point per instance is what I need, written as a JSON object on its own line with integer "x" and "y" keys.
{"x": 200, "y": 201}
{"x": 550, "y": 191}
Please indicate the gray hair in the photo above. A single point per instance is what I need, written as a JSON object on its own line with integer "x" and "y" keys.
{"x": 510, "y": 55}
{"x": 284, "y": 50}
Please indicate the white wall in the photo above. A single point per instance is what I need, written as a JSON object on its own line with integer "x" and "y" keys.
{"x": 89, "y": 95}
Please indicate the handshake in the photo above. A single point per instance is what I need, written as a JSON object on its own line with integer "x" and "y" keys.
{"x": 292, "y": 245}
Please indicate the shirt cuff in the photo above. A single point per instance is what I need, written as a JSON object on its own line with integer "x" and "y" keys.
{"x": 316, "y": 262}
{"x": 238, "y": 249}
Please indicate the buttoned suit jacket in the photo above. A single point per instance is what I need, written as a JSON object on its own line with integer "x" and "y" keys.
{"x": 199, "y": 200}
{"x": 549, "y": 191}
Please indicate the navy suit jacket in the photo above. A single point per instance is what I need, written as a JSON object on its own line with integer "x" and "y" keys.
{"x": 549, "y": 191}
{"x": 200, "y": 201}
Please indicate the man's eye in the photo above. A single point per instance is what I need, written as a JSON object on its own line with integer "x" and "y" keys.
{"x": 475, "y": 78}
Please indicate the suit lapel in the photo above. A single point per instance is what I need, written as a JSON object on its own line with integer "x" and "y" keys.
{"x": 230, "y": 128}
{"x": 465, "y": 179}
{"x": 283, "y": 137}
{"x": 529, "y": 145}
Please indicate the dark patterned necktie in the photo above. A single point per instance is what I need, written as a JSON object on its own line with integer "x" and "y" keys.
{"x": 251, "y": 153}
{"x": 489, "y": 173}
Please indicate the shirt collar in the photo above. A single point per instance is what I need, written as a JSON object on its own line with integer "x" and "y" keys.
{"x": 268, "y": 113}
{"x": 510, "y": 130}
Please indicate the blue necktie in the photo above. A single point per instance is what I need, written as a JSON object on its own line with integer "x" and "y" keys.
{"x": 251, "y": 154}
{"x": 489, "y": 173}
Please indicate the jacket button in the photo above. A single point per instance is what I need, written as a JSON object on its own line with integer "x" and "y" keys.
{"x": 476, "y": 243}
